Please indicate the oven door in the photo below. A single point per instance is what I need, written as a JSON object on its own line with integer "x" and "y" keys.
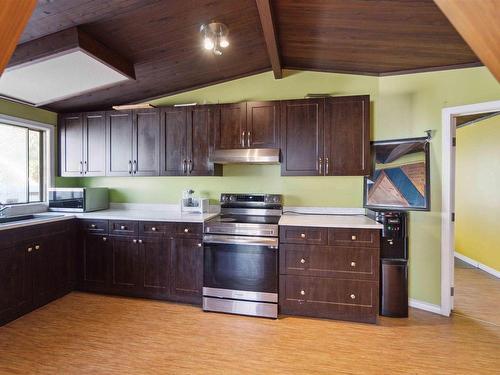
{"x": 239, "y": 267}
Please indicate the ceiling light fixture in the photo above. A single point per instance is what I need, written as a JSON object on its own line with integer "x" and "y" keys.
{"x": 215, "y": 37}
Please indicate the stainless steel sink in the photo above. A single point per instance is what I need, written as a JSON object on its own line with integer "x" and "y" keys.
{"x": 14, "y": 219}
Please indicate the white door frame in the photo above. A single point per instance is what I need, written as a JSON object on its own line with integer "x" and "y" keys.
{"x": 449, "y": 128}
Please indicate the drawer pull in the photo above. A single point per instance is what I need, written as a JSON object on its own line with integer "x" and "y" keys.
{"x": 30, "y": 249}
{"x": 391, "y": 242}
{"x": 140, "y": 241}
{"x": 104, "y": 239}
{"x": 354, "y": 238}
{"x": 353, "y": 296}
{"x": 134, "y": 240}
{"x": 302, "y": 261}
{"x": 302, "y": 235}
{"x": 92, "y": 226}
{"x": 123, "y": 227}
{"x": 302, "y": 292}
{"x": 199, "y": 245}
{"x": 186, "y": 230}
{"x": 153, "y": 229}
{"x": 353, "y": 264}
{"x": 37, "y": 247}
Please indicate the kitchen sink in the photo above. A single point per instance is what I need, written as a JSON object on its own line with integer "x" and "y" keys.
{"x": 14, "y": 219}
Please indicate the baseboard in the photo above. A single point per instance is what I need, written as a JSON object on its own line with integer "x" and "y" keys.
{"x": 417, "y": 304}
{"x": 476, "y": 264}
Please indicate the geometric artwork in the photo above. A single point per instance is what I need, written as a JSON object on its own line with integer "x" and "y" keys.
{"x": 400, "y": 178}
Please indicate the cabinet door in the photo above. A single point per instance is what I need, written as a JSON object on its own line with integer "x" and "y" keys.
{"x": 186, "y": 270}
{"x": 96, "y": 263}
{"x": 94, "y": 141}
{"x": 173, "y": 141}
{"x": 126, "y": 265}
{"x": 71, "y": 145}
{"x": 15, "y": 282}
{"x": 200, "y": 124}
{"x": 119, "y": 134}
{"x": 231, "y": 126}
{"x": 347, "y": 136}
{"x": 302, "y": 137}
{"x": 146, "y": 142}
{"x": 51, "y": 268}
{"x": 263, "y": 124}
{"x": 155, "y": 255}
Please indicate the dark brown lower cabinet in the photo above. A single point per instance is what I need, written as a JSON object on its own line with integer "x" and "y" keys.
{"x": 155, "y": 278}
{"x": 324, "y": 297}
{"x": 125, "y": 264}
{"x": 36, "y": 269}
{"x": 95, "y": 259}
{"x": 187, "y": 270}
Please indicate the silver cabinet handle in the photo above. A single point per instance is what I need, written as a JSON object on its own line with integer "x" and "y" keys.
{"x": 248, "y": 139}
{"x": 30, "y": 249}
{"x": 86, "y": 167}
{"x": 135, "y": 166}
{"x": 153, "y": 229}
{"x": 130, "y": 167}
{"x": 302, "y": 261}
{"x": 302, "y": 292}
{"x": 302, "y": 235}
{"x": 123, "y": 227}
{"x": 184, "y": 167}
{"x": 326, "y": 166}
{"x": 353, "y": 296}
{"x": 37, "y": 247}
{"x": 140, "y": 241}
{"x": 104, "y": 239}
{"x": 353, "y": 264}
{"x": 186, "y": 230}
{"x": 199, "y": 245}
{"x": 354, "y": 238}
{"x": 92, "y": 226}
{"x": 190, "y": 166}
{"x": 243, "y": 139}
{"x": 320, "y": 165}
{"x": 134, "y": 240}
{"x": 81, "y": 167}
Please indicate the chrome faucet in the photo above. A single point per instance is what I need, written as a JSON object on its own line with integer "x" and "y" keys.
{"x": 3, "y": 208}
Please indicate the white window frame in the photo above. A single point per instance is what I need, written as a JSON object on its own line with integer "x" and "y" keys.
{"x": 48, "y": 161}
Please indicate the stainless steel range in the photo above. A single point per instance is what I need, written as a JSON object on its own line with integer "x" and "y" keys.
{"x": 241, "y": 256}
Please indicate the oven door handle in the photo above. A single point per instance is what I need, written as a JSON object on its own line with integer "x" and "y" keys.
{"x": 270, "y": 242}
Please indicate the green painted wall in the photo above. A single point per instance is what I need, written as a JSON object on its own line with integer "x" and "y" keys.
{"x": 402, "y": 106}
{"x": 476, "y": 193}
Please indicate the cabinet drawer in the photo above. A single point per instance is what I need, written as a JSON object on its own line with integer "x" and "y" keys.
{"x": 328, "y": 261}
{"x": 154, "y": 228}
{"x": 189, "y": 230}
{"x": 323, "y": 297}
{"x": 39, "y": 230}
{"x": 303, "y": 235}
{"x": 94, "y": 226}
{"x": 123, "y": 227}
{"x": 354, "y": 237}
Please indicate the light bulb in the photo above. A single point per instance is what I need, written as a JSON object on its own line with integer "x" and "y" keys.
{"x": 208, "y": 43}
{"x": 224, "y": 43}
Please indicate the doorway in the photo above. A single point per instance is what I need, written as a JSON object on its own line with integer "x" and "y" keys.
{"x": 450, "y": 118}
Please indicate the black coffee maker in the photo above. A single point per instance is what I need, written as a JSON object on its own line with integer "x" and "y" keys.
{"x": 394, "y": 262}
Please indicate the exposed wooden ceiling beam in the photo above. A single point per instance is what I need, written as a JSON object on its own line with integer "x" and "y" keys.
{"x": 269, "y": 28}
{"x": 478, "y": 23}
{"x": 14, "y": 15}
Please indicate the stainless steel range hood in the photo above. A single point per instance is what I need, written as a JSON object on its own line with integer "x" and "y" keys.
{"x": 247, "y": 156}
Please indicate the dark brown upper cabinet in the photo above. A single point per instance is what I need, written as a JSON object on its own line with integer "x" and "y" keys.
{"x": 132, "y": 148}
{"x": 186, "y": 134}
{"x": 326, "y": 137}
{"x": 82, "y": 144}
{"x": 302, "y": 137}
{"x": 347, "y": 136}
{"x": 248, "y": 125}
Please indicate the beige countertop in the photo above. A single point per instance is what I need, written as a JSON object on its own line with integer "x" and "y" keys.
{"x": 329, "y": 221}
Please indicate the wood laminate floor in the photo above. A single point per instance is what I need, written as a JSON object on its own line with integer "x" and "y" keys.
{"x": 93, "y": 334}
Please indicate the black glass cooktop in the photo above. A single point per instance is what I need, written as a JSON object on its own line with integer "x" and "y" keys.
{"x": 245, "y": 219}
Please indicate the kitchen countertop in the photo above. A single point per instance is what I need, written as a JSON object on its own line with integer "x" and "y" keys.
{"x": 330, "y": 221}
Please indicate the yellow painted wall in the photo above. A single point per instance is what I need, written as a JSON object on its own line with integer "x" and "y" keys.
{"x": 402, "y": 106}
{"x": 477, "y": 192}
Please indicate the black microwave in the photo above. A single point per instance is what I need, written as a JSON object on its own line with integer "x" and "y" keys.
{"x": 78, "y": 199}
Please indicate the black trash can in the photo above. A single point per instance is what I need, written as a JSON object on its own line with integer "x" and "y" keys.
{"x": 394, "y": 288}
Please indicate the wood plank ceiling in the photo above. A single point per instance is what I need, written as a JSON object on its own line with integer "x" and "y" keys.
{"x": 161, "y": 38}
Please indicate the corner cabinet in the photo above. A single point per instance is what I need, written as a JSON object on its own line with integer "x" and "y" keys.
{"x": 326, "y": 137}
{"x": 186, "y": 135}
{"x": 82, "y": 144}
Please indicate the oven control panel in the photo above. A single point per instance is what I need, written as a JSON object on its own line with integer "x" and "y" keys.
{"x": 248, "y": 200}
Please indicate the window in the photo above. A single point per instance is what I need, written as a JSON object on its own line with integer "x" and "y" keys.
{"x": 21, "y": 164}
